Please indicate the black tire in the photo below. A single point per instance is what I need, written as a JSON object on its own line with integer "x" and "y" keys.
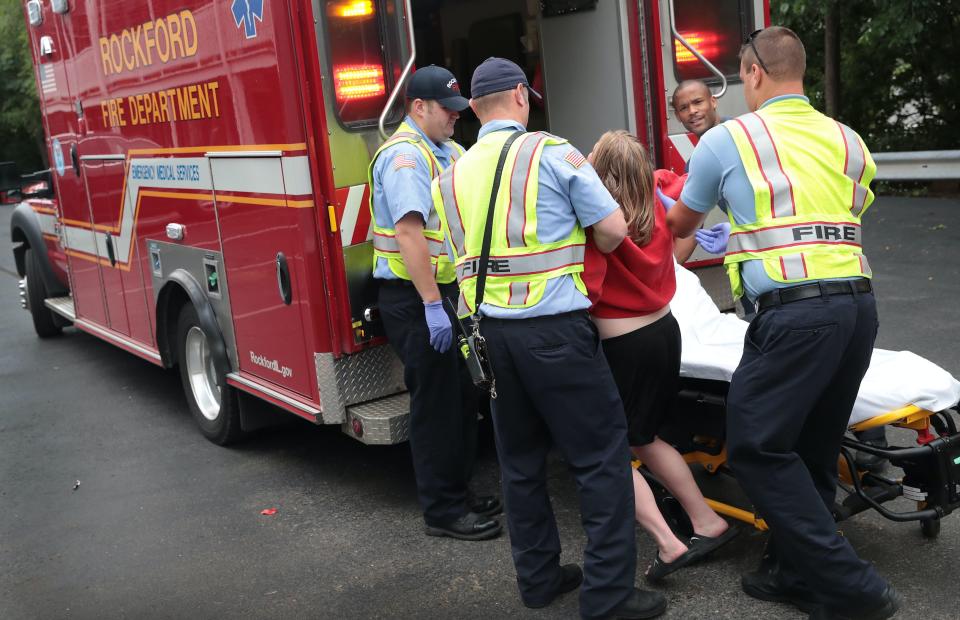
{"x": 44, "y": 323}
{"x": 221, "y": 425}
{"x": 930, "y": 528}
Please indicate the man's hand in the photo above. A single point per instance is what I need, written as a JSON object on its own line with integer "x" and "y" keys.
{"x": 665, "y": 200}
{"x": 441, "y": 331}
{"x": 714, "y": 240}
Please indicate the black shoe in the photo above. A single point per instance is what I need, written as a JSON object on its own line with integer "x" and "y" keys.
{"x": 484, "y": 505}
{"x": 886, "y": 607}
{"x": 640, "y": 604}
{"x": 763, "y": 585}
{"x": 661, "y": 568}
{"x": 702, "y": 546}
{"x": 570, "y": 579}
{"x": 470, "y": 526}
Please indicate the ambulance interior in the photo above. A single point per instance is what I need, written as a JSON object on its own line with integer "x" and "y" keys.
{"x": 576, "y": 53}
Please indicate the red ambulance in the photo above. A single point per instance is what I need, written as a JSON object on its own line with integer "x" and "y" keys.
{"x": 207, "y": 206}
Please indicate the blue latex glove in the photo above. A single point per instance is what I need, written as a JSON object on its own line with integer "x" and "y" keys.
{"x": 714, "y": 239}
{"x": 441, "y": 331}
{"x": 665, "y": 200}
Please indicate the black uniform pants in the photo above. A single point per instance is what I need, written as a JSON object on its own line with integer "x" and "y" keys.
{"x": 443, "y": 404}
{"x": 554, "y": 388}
{"x": 787, "y": 410}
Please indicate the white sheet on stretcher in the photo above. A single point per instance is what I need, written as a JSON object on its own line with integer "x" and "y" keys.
{"x": 713, "y": 344}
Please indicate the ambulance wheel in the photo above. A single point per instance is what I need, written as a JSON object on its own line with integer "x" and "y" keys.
{"x": 215, "y": 408}
{"x": 44, "y": 323}
{"x": 930, "y": 528}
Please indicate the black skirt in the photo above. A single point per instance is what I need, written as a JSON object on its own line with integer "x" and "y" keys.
{"x": 646, "y": 367}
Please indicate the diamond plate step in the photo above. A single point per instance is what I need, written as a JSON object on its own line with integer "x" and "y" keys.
{"x": 384, "y": 421}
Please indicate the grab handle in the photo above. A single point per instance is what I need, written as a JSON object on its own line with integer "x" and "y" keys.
{"x": 408, "y": 15}
{"x": 700, "y": 57}
{"x": 283, "y": 279}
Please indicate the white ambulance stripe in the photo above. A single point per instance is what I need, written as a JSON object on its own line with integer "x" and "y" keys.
{"x": 856, "y": 165}
{"x": 48, "y": 223}
{"x": 683, "y": 144}
{"x": 793, "y": 267}
{"x": 781, "y": 197}
{"x": 257, "y": 175}
{"x": 351, "y": 211}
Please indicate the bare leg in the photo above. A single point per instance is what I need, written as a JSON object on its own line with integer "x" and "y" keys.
{"x": 649, "y": 517}
{"x": 666, "y": 464}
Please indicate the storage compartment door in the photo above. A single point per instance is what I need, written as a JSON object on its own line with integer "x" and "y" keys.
{"x": 263, "y": 235}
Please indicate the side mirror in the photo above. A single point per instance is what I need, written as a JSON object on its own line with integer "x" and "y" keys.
{"x": 37, "y": 184}
{"x": 9, "y": 176}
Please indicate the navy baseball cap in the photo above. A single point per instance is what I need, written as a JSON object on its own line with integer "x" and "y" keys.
{"x": 437, "y": 83}
{"x": 495, "y": 75}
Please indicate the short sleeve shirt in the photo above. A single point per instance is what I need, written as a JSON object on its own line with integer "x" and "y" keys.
{"x": 401, "y": 185}
{"x": 570, "y": 192}
{"x": 717, "y": 175}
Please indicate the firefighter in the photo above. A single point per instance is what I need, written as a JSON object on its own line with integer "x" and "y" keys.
{"x": 415, "y": 276}
{"x": 552, "y": 383}
{"x": 797, "y": 183}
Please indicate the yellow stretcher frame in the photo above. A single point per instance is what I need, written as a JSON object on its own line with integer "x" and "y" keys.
{"x": 910, "y": 417}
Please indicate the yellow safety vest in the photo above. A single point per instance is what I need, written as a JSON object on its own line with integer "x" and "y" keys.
{"x": 385, "y": 239}
{"x": 520, "y": 265}
{"x": 811, "y": 184}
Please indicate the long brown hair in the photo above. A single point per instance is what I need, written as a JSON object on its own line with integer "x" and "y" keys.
{"x": 623, "y": 163}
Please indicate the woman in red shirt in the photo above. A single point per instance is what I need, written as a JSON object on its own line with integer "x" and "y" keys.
{"x": 631, "y": 289}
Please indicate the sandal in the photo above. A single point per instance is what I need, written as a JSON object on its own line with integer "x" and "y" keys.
{"x": 701, "y": 546}
{"x": 660, "y": 568}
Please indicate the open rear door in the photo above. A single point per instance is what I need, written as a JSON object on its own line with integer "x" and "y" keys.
{"x": 587, "y": 73}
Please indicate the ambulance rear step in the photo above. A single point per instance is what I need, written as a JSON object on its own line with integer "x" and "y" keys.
{"x": 384, "y": 421}
{"x": 62, "y": 306}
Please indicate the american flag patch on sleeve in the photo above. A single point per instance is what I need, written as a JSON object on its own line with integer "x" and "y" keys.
{"x": 405, "y": 160}
{"x": 575, "y": 159}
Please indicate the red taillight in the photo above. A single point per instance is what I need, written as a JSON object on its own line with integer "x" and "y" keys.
{"x": 704, "y": 42}
{"x": 358, "y": 81}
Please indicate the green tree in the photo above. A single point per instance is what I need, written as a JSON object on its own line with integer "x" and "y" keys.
{"x": 21, "y": 131}
{"x": 898, "y": 72}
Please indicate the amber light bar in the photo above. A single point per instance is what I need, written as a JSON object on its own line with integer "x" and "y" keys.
{"x": 358, "y": 81}
{"x": 705, "y": 43}
{"x": 351, "y": 8}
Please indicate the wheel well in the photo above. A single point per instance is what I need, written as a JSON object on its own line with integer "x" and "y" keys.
{"x": 171, "y": 299}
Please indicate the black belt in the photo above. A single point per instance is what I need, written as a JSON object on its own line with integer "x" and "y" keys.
{"x": 398, "y": 283}
{"x": 791, "y": 294}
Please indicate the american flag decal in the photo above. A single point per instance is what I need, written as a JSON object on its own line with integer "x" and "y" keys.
{"x": 404, "y": 160}
{"x": 575, "y": 159}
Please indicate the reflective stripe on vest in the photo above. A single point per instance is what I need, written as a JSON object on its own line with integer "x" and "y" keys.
{"x": 522, "y": 264}
{"x": 793, "y": 267}
{"x": 782, "y": 203}
{"x": 384, "y": 238}
{"x": 790, "y": 235}
{"x": 516, "y": 212}
{"x": 854, "y": 165}
{"x": 447, "y": 184}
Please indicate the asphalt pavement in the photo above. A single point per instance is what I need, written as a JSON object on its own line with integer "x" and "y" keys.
{"x": 165, "y": 524}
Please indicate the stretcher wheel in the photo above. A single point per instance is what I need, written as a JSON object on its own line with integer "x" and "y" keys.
{"x": 930, "y": 528}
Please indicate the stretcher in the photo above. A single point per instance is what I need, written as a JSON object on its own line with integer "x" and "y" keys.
{"x": 900, "y": 390}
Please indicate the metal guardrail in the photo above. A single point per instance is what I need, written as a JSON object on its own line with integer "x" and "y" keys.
{"x": 917, "y": 165}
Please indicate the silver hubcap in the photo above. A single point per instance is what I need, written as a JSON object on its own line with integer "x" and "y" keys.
{"x": 203, "y": 377}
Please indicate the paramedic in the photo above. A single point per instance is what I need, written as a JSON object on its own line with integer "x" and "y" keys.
{"x": 553, "y": 384}
{"x": 796, "y": 183}
{"x": 414, "y": 276}
{"x": 695, "y": 107}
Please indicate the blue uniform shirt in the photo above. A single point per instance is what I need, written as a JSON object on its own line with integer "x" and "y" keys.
{"x": 718, "y": 175}
{"x": 566, "y": 195}
{"x": 401, "y": 185}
